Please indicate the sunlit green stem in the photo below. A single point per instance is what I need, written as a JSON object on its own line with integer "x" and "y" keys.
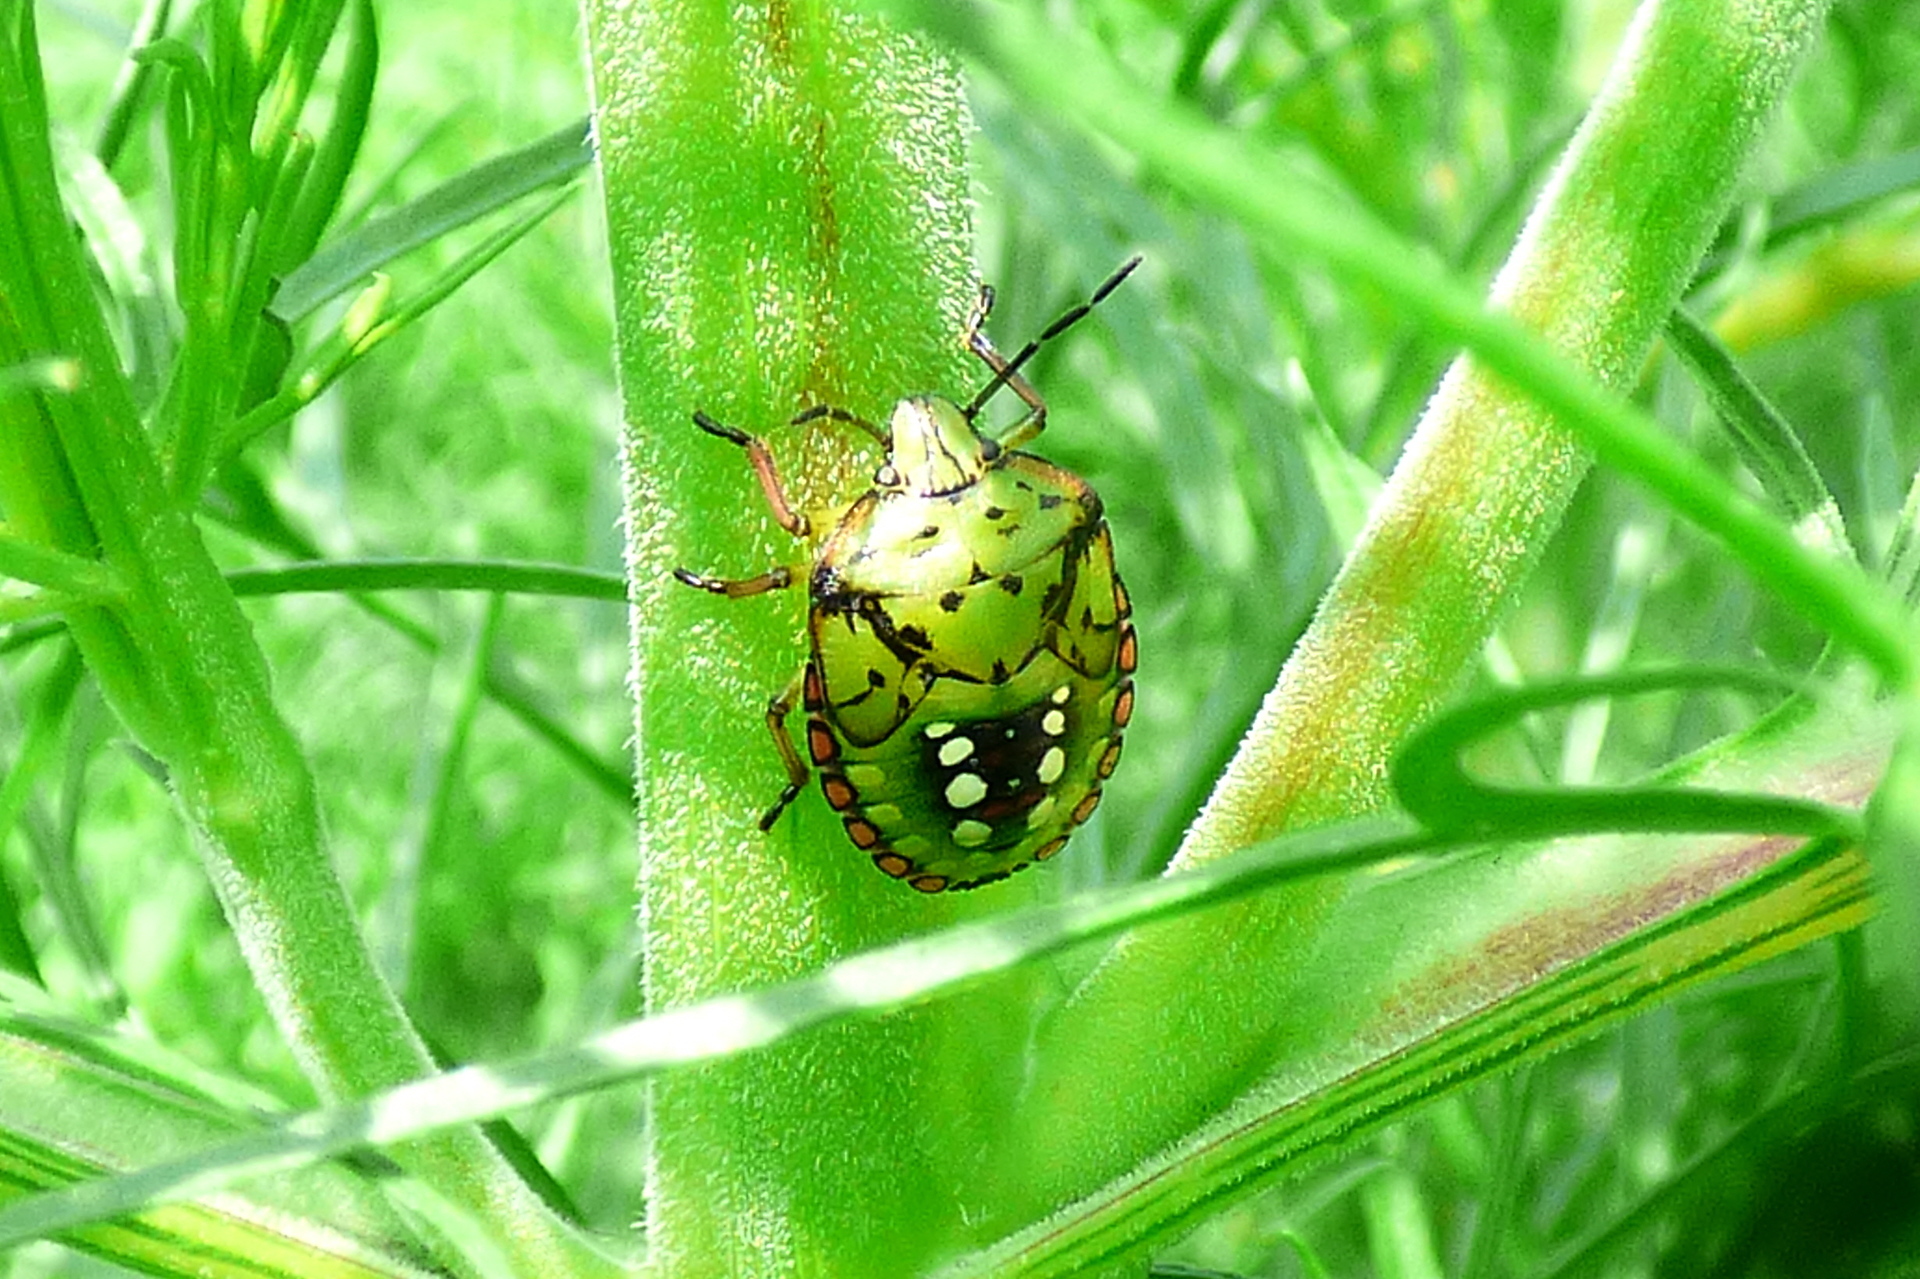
{"x": 171, "y": 651}
{"x": 25, "y": 560}
{"x": 787, "y": 200}
{"x": 1613, "y": 241}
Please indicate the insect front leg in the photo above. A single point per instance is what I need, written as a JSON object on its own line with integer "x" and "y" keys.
{"x": 761, "y": 460}
{"x": 795, "y": 522}
{"x": 1005, "y": 372}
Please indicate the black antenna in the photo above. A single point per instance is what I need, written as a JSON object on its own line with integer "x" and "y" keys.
{"x": 1005, "y": 373}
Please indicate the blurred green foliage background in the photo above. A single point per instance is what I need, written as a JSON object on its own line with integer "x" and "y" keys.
{"x": 1234, "y": 415}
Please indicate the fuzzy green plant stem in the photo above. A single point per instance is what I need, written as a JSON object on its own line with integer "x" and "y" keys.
{"x": 1606, "y": 253}
{"x": 787, "y": 202}
{"x": 177, "y": 661}
{"x": 1609, "y": 247}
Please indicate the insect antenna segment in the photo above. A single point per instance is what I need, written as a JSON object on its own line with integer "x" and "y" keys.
{"x": 836, "y": 414}
{"x": 1007, "y": 371}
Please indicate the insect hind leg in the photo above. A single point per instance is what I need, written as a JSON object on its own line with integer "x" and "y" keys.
{"x": 778, "y": 708}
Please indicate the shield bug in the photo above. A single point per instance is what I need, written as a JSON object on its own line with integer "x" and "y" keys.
{"x": 971, "y": 649}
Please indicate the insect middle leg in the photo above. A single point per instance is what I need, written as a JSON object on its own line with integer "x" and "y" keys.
{"x": 781, "y": 704}
{"x": 774, "y": 579}
{"x": 738, "y": 588}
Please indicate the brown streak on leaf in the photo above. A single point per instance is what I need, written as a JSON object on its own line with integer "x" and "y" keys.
{"x": 1522, "y": 953}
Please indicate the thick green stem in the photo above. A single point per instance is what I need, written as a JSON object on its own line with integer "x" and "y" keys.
{"x": 177, "y": 661}
{"x": 1609, "y": 248}
{"x": 787, "y": 202}
{"x": 1606, "y": 254}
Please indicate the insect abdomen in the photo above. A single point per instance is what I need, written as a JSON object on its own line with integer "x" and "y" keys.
{"x": 983, "y": 779}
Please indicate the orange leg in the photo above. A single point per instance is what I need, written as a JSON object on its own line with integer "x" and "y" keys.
{"x": 762, "y": 461}
{"x": 1007, "y": 372}
{"x": 797, "y": 771}
{"x": 782, "y": 703}
{"x": 776, "y": 579}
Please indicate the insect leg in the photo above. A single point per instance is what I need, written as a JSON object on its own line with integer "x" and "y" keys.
{"x": 762, "y": 461}
{"x": 1004, "y": 373}
{"x": 776, "y": 579}
{"x": 1007, "y": 372}
{"x": 797, "y": 771}
{"x": 982, "y": 308}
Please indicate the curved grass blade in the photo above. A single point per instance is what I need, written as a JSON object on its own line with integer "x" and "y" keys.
{"x": 874, "y": 982}
{"x": 346, "y": 262}
{"x": 501, "y": 576}
{"x": 1767, "y": 442}
{"x": 1431, "y": 780}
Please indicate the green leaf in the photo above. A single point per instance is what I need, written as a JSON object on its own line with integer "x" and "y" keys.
{"x": 25, "y": 560}
{"x": 77, "y": 1103}
{"x": 498, "y": 576}
{"x": 368, "y": 323}
{"x": 1840, "y": 193}
{"x": 347, "y": 261}
{"x": 340, "y": 147}
{"x": 1768, "y": 444}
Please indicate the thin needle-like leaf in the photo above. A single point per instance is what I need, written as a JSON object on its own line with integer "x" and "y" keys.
{"x": 346, "y": 262}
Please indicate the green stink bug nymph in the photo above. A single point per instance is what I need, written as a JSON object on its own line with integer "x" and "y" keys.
{"x": 971, "y": 648}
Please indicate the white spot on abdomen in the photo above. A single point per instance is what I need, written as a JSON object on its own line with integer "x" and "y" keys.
{"x": 966, "y": 790}
{"x": 1052, "y": 764}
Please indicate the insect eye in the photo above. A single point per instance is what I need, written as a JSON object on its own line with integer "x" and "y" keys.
{"x": 887, "y": 477}
{"x": 989, "y": 449}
